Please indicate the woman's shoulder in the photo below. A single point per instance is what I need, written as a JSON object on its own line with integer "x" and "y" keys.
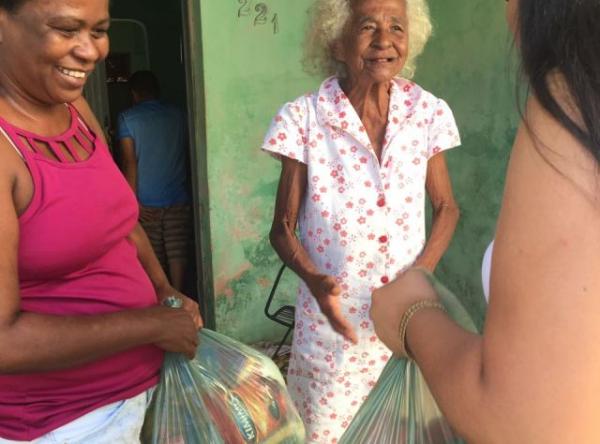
{"x": 418, "y": 94}
{"x": 85, "y": 111}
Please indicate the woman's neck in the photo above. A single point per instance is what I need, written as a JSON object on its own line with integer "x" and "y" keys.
{"x": 27, "y": 113}
{"x": 370, "y": 100}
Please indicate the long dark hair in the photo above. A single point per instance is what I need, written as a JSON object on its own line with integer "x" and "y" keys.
{"x": 564, "y": 36}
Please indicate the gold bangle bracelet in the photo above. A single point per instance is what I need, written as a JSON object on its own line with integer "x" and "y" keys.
{"x": 407, "y": 316}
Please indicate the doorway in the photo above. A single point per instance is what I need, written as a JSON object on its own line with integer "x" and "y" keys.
{"x": 160, "y": 36}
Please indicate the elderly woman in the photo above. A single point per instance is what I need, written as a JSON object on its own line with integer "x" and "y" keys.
{"x": 534, "y": 375}
{"x": 81, "y": 333}
{"x": 357, "y": 157}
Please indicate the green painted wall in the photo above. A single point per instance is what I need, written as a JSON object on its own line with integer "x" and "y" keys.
{"x": 251, "y": 68}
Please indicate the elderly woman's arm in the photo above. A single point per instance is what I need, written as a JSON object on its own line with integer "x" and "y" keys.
{"x": 445, "y": 212}
{"x": 290, "y": 195}
{"x": 533, "y": 376}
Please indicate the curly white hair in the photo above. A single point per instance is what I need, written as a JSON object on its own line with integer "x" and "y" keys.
{"x": 326, "y": 25}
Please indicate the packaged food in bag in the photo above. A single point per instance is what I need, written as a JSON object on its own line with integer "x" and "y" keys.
{"x": 228, "y": 394}
{"x": 400, "y": 409}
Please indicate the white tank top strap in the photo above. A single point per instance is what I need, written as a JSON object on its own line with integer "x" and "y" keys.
{"x": 11, "y": 142}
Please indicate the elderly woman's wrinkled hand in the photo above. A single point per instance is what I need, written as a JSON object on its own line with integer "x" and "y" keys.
{"x": 390, "y": 302}
{"x": 327, "y": 292}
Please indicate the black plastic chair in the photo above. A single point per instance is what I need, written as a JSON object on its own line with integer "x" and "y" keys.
{"x": 284, "y": 315}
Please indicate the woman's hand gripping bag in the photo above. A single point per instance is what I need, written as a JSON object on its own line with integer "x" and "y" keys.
{"x": 400, "y": 409}
{"x": 228, "y": 394}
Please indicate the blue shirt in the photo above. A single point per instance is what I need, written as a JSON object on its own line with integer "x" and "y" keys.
{"x": 159, "y": 132}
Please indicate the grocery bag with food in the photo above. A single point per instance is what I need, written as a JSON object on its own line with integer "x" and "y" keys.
{"x": 228, "y": 394}
{"x": 400, "y": 409}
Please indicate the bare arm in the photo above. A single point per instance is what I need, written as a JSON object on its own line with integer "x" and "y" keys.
{"x": 138, "y": 236}
{"x": 533, "y": 375}
{"x": 157, "y": 275}
{"x": 33, "y": 342}
{"x": 445, "y": 212}
{"x": 129, "y": 162}
{"x": 290, "y": 196}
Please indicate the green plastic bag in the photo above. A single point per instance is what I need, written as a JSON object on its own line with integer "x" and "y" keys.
{"x": 400, "y": 409}
{"x": 229, "y": 394}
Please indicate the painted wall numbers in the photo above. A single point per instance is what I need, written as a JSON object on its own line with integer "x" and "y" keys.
{"x": 259, "y": 13}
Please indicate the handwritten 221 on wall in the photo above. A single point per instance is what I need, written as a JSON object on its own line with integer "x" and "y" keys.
{"x": 258, "y": 13}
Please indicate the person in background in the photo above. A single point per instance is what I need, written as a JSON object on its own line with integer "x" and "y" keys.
{"x": 153, "y": 139}
{"x": 82, "y": 333}
{"x": 534, "y": 374}
{"x": 358, "y": 158}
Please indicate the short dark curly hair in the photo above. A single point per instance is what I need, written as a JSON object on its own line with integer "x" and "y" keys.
{"x": 11, "y": 5}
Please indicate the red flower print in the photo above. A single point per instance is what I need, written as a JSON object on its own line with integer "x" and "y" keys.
{"x": 416, "y": 161}
{"x": 316, "y": 197}
{"x": 323, "y": 189}
{"x": 324, "y": 214}
{"x": 281, "y": 136}
{"x": 361, "y": 220}
{"x": 349, "y": 205}
{"x": 272, "y": 141}
{"x": 334, "y": 173}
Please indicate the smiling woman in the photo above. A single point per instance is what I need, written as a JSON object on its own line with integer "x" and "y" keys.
{"x": 357, "y": 157}
{"x": 82, "y": 333}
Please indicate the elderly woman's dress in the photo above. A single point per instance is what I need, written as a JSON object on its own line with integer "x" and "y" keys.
{"x": 363, "y": 222}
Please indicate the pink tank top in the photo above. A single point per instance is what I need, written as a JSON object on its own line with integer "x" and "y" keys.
{"x": 75, "y": 259}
